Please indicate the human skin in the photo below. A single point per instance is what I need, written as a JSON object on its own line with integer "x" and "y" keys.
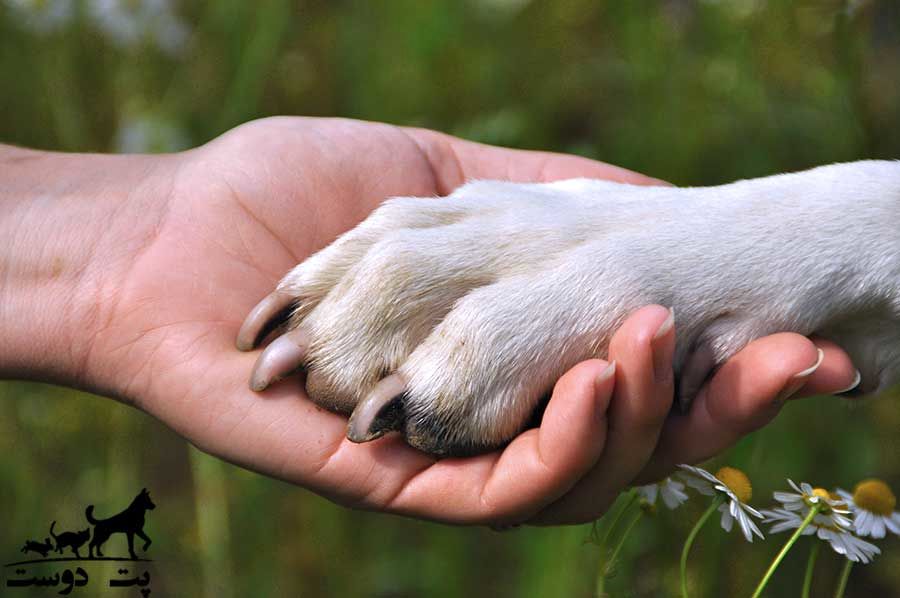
{"x": 129, "y": 276}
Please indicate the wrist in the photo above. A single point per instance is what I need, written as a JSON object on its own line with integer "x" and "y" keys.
{"x": 64, "y": 241}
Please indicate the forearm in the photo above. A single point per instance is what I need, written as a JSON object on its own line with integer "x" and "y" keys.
{"x": 58, "y": 213}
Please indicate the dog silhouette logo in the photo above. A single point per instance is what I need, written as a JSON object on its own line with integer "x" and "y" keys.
{"x": 129, "y": 522}
{"x": 65, "y": 545}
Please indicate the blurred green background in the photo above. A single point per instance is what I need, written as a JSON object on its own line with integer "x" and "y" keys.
{"x": 693, "y": 91}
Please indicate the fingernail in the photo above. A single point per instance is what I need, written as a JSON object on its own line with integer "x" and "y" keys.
{"x": 856, "y": 380}
{"x": 798, "y": 380}
{"x": 666, "y": 326}
{"x": 662, "y": 350}
{"x": 607, "y": 373}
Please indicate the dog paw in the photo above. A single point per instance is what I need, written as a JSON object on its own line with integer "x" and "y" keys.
{"x": 447, "y": 319}
{"x": 450, "y": 319}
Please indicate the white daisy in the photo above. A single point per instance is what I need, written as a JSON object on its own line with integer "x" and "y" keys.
{"x": 841, "y": 540}
{"x": 736, "y": 488}
{"x": 671, "y": 491}
{"x": 833, "y": 510}
{"x": 872, "y": 503}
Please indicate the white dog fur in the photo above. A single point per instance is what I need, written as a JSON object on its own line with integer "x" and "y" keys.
{"x": 478, "y": 302}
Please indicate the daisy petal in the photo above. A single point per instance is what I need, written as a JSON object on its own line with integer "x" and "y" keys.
{"x": 727, "y": 520}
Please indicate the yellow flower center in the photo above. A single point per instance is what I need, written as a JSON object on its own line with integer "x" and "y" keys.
{"x": 874, "y": 496}
{"x": 736, "y": 481}
{"x": 825, "y": 495}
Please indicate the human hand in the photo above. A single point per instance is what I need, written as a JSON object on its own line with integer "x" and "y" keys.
{"x": 164, "y": 272}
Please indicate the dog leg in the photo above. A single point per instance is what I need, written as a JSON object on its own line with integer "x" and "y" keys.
{"x": 145, "y": 538}
{"x": 449, "y": 319}
{"x": 131, "y": 544}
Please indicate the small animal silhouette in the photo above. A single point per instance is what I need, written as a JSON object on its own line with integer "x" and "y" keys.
{"x": 35, "y": 546}
{"x": 73, "y": 540}
{"x": 128, "y": 522}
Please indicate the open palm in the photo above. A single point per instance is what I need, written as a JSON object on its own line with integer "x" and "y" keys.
{"x": 244, "y": 209}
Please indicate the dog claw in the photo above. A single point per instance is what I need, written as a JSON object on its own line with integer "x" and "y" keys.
{"x": 380, "y": 412}
{"x": 267, "y": 314}
{"x": 281, "y": 358}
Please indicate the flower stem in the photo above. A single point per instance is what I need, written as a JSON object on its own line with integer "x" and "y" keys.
{"x": 607, "y": 533}
{"x": 784, "y": 550}
{"x": 810, "y": 566}
{"x": 605, "y": 567}
{"x": 690, "y": 540}
{"x": 609, "y": 530}
{"x": 842, "y": 582}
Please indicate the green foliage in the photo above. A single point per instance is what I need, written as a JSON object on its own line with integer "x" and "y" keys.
{"x": 693, "y": 91}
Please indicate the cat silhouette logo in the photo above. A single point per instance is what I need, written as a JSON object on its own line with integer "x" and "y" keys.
{"x": 68, "y": 545}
